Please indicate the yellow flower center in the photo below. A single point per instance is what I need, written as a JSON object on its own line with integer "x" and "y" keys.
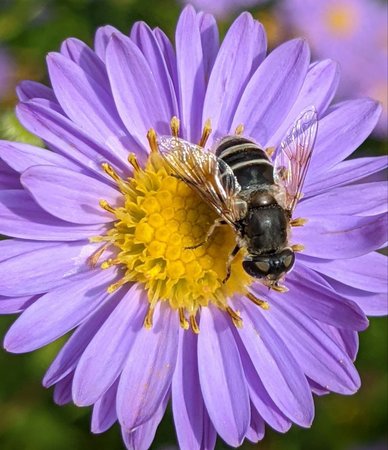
{"x": 341, "y": 20}
{"x": 160, "y": 218}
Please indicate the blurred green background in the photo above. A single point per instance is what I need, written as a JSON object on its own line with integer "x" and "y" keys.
{"x": 29, "y": 420}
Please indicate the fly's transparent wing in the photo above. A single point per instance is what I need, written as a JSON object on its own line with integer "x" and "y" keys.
{"x": 208, "y": 175}
{"x": 293, "y": 160}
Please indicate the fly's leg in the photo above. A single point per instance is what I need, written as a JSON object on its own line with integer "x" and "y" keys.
{"x": 217, "y": 223}
{"x": 229, "y": 263}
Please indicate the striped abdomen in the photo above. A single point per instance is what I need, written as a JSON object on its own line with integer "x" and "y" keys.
{"x": 249, "y": 163}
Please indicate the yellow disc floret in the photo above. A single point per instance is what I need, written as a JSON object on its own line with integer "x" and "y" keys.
{"x": 160, "y": 218}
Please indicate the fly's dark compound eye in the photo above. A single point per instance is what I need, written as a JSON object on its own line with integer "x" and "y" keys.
{"x": 263, "y": 266}
{"x": 272, "y": 266}
{"x": 287, "y": 257}
{"x": 257, "y": 269}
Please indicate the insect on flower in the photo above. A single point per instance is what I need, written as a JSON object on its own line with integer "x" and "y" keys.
{"x": 251, "y": 194}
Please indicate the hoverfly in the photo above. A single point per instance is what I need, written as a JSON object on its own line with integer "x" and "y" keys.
{"x": 249, "y": 192}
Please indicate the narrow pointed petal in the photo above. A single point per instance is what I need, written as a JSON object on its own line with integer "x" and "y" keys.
{"x": 335, "y": 236}
{"x": 78, "y": 52}
{"x": 142, "y": 437}
{"x": 147, "y": 374}
{"x": 209, "y": 40}
{"x": 62, "y": 391}
{"x": 67, "y": 358}
{"x": 347, "y": 339}
{"x": 85, "y": 101}
{"x": 101, "y": 40}
{"x": 232, "y": 70}
{"x": 57, "y": 312}
{"x": 321, "y": 302}
{"x": 135, "y": 91}
{"x": 346, "y": 200}
{"x": 366, "y": 272}
{"x": 23, "y": 156}
{"x": 226, "y": 399}
{"x": 318, "y": 90}
{"x": 69, "y": 140}
{"x": 345, "y": 128}
{"x": 21, "y": 217}
{"x": 346, "y": 172}
{"x": 62, "y": 193}
{"x": 104, "y": 411}
{"x": 191, "y": 73}
{"x": 104, "y": 358}
{"x": 279, "y": 372}
{"x": 32, "y": 262}
{"x": 272, "y": 90}
{"x": 187, "y": 401}
{"x": 144, "y": 38}
{"x": 260, "y": 399}
{"x": 169, "y": 56}
{"x": 256, "y": 428}
{"x": 26, "y": 90}
{"x": 9, "y": 178}
{"x": 13, "y": 305}
{"x": 319, "y": 356}
{"x": 371, "y": 304}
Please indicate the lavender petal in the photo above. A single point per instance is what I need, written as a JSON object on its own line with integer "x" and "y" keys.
{"x": 21, "y": 217}
{"x": 53, "y": 315}
{"x": 152, "y": 352}
{"x": 61, "y": 192}
{"x": 232, "y": 70}
{"x": 272, "y": 90}
{"x": 227, "y": 402}
{"x": 191, "y": 73}
{"x": 105, "y": 356}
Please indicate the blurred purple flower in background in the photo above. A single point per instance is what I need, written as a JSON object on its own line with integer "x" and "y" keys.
{"x": 153, "y": 320}
{"x": 223, "y": 8}
{"x": 352, "y": 32}
{"x": 6, "y": 69}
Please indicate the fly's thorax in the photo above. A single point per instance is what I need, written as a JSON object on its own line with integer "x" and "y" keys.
{"x": 266, "y": 227}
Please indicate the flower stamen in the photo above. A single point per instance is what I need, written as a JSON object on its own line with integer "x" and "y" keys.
{"x": 207, "y": 129}
{"x": 297, "y": 248}
{"x": 109, "y": 263}
{"x": 194, "y": 324}
{"x": 270, "y": 151}
{"x": 174, "y": 126}
{"x": 258, "y": 302}
{"x": 239, "y": 130}
{"x": 94, "y": 257}
{"x": 133, "y": 161}
{"x": 114, "y": 286}
{"x": 149, "y": 317}
{"x": 108, "y": 169}
{"x": 105, "y": 205}
{"x": 152, "y": 140}
{"x": 182, "y": 319}
{"x": 235, "y": 316}
{"x": 299, "y": 222}
{"x": 278, "y": 288}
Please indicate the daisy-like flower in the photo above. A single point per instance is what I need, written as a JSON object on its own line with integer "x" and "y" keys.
{"x": 99, "y": 233}
{"x": 354, "y": 33}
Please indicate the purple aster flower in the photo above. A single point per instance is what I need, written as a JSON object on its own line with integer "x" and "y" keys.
{"x": 352, "y": 32}
{"x": 99, "y": 232}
